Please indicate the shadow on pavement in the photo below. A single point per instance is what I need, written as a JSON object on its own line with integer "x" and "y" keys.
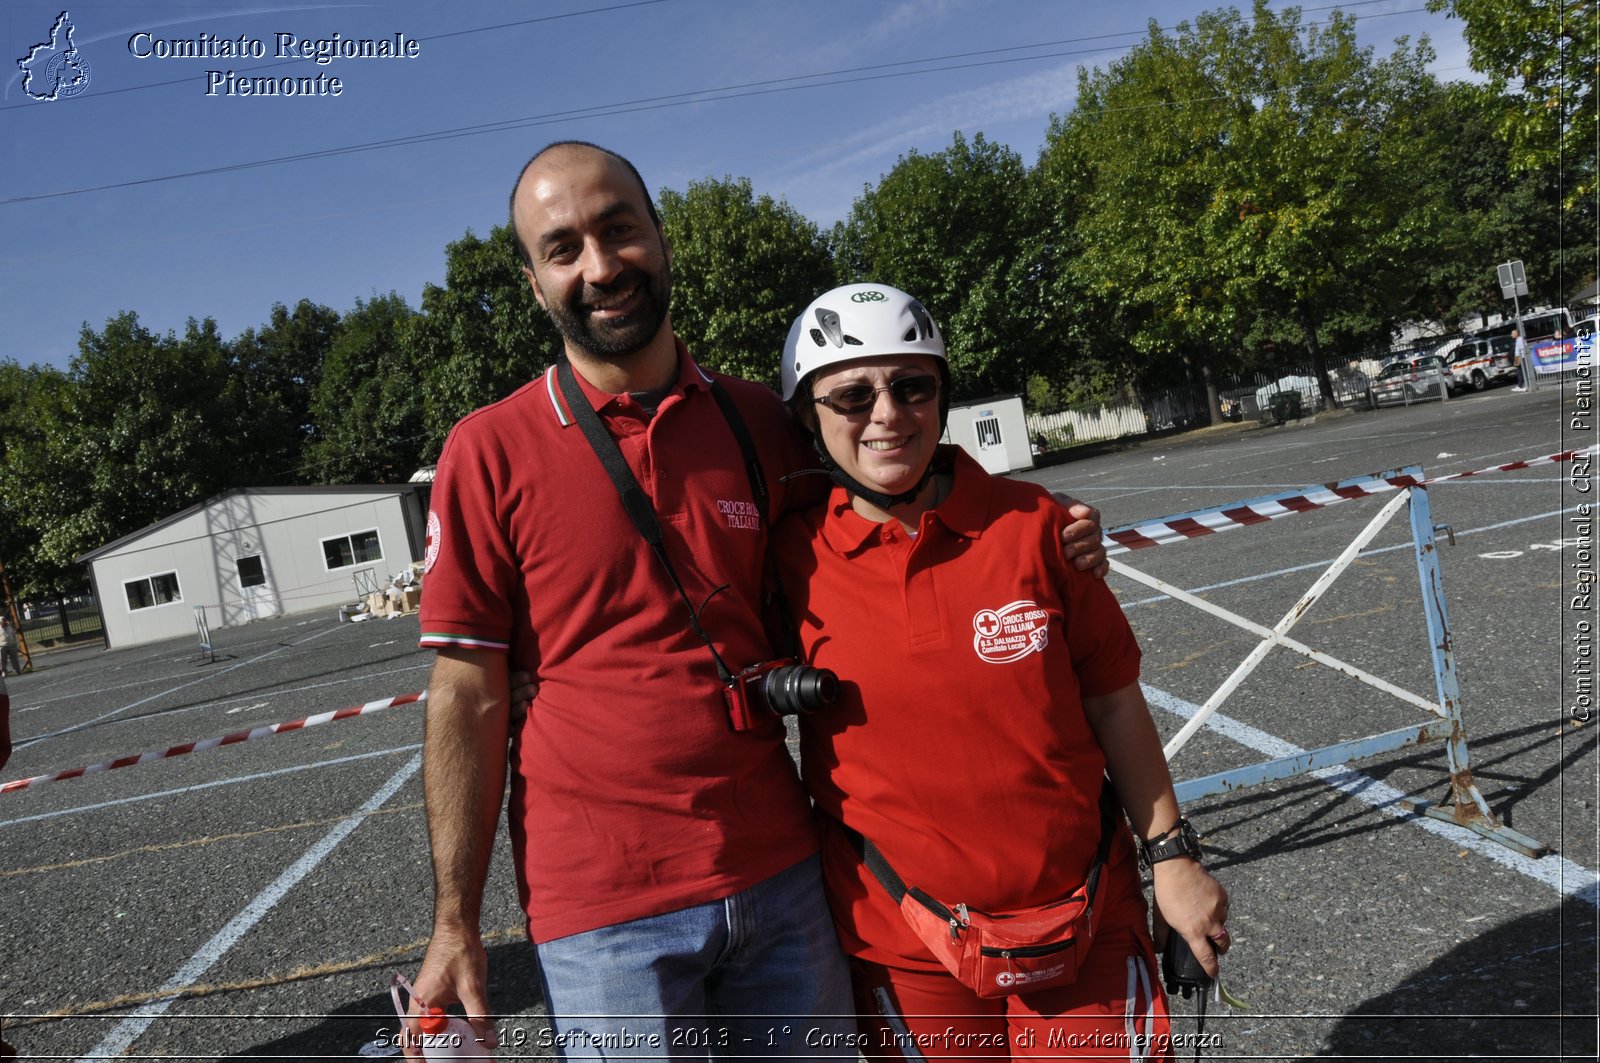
{"x": 1525, "y": 990}
{"x": 513, "y": 991}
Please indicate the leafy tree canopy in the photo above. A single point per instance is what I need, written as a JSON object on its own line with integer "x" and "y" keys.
{"x": 480, "y": 336}
{"x": 946, "y": 229}
{"x": 140, "y": 427}
{"x": 1542, "y": 58}
{"x": 742, "y": 267}
{"x": 368, "y": 404}
{"x": 1247, "y": 179}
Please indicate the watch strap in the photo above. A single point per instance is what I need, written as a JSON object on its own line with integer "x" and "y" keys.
{"x": 1179, "y": 840}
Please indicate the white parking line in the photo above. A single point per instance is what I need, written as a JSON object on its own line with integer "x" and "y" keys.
{"x": 335, "y": 762}
{"x": 1560, "y": 874}
{"x": 361, "y": 678}
{"x": 170, "y": 690}
{"x": 128, "y": 1030}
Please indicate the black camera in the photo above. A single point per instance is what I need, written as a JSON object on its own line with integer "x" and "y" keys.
{"x": 777, "y": 688}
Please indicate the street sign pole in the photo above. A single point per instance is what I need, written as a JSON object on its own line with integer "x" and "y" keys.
{"x": 1513, "y": 283}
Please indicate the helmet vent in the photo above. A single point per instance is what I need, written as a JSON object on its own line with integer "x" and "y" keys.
{"x": 818, "y": 338}
{"x": 852, "y": 341}
{"x": 831, "y": 326}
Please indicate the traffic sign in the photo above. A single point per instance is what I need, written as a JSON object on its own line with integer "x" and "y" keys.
{"x": 1513, "y": 281}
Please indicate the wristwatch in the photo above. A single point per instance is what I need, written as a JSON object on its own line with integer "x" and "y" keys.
{"x": 1180, "y": 839}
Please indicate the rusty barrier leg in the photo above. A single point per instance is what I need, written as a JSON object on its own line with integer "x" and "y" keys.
{"x": 1468, "y": 808}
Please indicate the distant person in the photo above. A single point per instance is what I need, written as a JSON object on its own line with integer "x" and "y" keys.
{"x": 5, "y": 723}
{"x": 9, "y": 641}
{"x": 1521, "y": 357}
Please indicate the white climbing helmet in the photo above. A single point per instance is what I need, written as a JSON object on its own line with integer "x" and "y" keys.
{"x": 856, "y": 321}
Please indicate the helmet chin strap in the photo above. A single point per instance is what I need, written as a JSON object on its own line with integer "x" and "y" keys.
{"x": 861, "y": 490}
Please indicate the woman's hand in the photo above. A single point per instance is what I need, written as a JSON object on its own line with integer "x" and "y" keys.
{"x": 1191, "y": 902}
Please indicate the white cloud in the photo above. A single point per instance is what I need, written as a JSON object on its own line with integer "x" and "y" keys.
{"x": 873, "y": 149}
{"x": 907, "y": 19}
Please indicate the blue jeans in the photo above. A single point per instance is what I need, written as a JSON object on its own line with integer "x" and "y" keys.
{"x": 758, "y": 974}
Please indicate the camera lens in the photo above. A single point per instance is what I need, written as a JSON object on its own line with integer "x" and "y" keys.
{"x": 797, "y": 688}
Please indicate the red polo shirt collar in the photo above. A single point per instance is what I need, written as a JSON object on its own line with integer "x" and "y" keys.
{"x": 690, "y": 375}
{"x": 963, "y": 513}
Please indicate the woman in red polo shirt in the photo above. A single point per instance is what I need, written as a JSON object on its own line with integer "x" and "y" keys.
{"x": 988, "y": 688}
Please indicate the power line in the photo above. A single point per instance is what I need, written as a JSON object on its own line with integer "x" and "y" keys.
{"x": 742, "y": 90}
{"x": 729, "y": 92}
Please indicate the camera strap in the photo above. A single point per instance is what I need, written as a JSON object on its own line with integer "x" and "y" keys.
{"x": 634, "y": 499}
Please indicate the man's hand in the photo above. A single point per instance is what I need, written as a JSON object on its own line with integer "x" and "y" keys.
{"x": 1081, "y": 540}
{"x": 454, "y": 971}
{"x": 466, "y": 727}
{"x": 523, "y": 690}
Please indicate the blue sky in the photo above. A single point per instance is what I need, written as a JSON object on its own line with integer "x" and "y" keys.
{"x": 94, "y": 222}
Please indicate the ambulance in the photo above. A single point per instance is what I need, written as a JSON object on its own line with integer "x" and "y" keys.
{"x": 1481, "y": 361}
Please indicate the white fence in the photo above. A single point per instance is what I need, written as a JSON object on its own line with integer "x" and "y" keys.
{"x": 1070, "y": 426}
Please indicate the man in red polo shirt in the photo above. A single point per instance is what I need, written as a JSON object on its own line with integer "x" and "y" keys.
{"x": 666, "y": 862}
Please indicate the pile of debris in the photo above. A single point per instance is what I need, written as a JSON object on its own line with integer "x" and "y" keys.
{"x": 399, "y": 595}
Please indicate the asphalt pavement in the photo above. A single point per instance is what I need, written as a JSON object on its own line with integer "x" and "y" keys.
{"x": 252, "y": 900}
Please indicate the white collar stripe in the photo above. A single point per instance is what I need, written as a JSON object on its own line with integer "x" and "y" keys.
{"x": 555, "y": 400}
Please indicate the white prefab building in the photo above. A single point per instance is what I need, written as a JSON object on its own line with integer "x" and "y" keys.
{"x": 252, "y": 553}
{"x": 994, "y": 431}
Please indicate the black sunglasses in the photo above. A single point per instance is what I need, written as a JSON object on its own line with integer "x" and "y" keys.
{"x": 848, "y": 399}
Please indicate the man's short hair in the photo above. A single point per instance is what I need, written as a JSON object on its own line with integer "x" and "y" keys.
{"x": 522, "y": 249}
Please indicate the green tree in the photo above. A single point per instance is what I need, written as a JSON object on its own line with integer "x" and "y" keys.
{"x": 480, "y": 336}
{"x": 1541, "y": 58}
{"x": 1253, "y": 183}
{"x": 945, "y": 228}
{"x": 1335, "y": 154}
{"x": 1141, "y": 160}
{"x": 282, "y": 363}
{"x": 143, "y": 426}
{"x": 742, "y": 267}
{"x": 1076, "y": 324}
{"x": 368, "y": 404}
{"x": 1498, "y": 215}
{"x": 31, "y": 404}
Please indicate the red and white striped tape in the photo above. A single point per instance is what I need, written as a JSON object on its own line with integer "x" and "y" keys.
{"x": 1121, "y": 541}
{"x": 1565, "y": 455}
{"x": 1223, "y": 518}
{"x": 213, "y": 743}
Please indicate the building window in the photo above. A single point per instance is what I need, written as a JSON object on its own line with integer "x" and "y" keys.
{"x": 251, "y": 571}
{"x": 353, "y": 549}
{"x": 152, "y": 591}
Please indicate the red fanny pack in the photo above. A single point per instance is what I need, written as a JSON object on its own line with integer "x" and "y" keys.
{"x": 999, "y": 954}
